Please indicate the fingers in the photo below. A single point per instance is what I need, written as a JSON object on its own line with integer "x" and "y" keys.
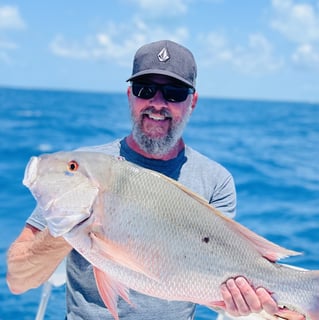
{"x": 241, "y": 298}
{"x": 266, "y": 300}
{"x": 230, "y": 294}
{"x": 285, "y": 313}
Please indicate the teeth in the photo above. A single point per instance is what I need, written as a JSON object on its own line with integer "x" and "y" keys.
{"x": 157, "y": 117}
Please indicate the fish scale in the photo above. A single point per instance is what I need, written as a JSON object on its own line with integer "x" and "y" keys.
{"x": 141, "y": 230}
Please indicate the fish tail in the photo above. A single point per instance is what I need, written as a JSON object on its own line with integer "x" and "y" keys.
{"x": 305, "y": 299}
{"x": 314, "y": 307}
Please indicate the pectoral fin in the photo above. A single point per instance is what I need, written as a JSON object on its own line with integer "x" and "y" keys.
{"x": 109, "y": 291}
{"x": 119, "y": 255}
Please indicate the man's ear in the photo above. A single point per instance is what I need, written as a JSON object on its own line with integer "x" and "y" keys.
{"x": 194, "y": 102}
{"x": 129, "y": 91}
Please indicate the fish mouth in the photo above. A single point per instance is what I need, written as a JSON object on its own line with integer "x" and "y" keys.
{"x": 31, "y": 171}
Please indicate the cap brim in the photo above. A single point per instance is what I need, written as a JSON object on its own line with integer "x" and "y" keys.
{"x": 161, "y": 72}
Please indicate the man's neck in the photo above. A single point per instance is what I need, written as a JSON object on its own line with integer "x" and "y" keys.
{"x": 170, "y": 155}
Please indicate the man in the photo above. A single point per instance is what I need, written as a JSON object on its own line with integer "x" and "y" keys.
{"x": 161, "y": 97}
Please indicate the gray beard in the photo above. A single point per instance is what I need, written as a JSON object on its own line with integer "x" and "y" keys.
{"x": 163, "y": 145}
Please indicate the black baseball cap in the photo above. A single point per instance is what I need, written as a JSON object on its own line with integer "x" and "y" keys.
{"x": 167, "y": 58}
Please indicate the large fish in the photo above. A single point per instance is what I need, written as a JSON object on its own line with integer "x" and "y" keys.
{"x": 141, "y": 230}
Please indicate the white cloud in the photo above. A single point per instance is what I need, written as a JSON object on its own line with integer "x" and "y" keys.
{"x": 66, "y": 49}
{"x": 5, "y": 46}
{"x": 297, "y": 22}
{"x": 10, "y": 18}
{"x": 254, "y": 58}
{"x": 107, "y": 46}
{"x": 306, "y": 55}
{"x": 162, "y": 7}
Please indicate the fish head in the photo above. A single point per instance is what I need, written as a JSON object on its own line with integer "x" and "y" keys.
{"x": 64, "y": 188}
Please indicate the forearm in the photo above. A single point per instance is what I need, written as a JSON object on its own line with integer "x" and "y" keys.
{"x": 32, "y": 259}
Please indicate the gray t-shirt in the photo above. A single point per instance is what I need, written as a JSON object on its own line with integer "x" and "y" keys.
{"x": 195, "y": 171}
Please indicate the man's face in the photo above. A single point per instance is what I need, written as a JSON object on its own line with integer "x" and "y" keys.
{"x": 158, "y": 124}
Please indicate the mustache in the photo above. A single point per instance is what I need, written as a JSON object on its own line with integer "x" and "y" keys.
{"x": 151, "y": 110}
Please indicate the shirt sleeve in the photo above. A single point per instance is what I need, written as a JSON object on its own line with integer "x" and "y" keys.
{"x": 224, "y": 197}
{"x": 210, "y": 180}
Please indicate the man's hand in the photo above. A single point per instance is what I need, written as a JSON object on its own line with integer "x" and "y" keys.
{"x": 241, "y": 299}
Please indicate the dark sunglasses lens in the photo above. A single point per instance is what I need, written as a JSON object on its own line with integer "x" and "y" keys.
{"x": 143, "y": 91}
{"x": 170, "y": 93}
{"x": 175, "y": 94}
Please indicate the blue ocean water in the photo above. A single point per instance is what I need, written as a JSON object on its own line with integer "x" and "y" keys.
{"x": 271, "y": 148}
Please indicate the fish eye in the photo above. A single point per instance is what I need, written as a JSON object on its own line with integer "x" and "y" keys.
{"x": 73, "y": 165}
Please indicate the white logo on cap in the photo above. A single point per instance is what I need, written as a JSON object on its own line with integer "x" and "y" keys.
{"x": 163, "y": 55}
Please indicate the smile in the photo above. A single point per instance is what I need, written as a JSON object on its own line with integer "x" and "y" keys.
{"x": 157, "y": 116}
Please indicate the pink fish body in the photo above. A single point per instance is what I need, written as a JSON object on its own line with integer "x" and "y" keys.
{"x": 143, "y": 231}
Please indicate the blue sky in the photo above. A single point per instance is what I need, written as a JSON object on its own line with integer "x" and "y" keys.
{"x": 255, "y": 49}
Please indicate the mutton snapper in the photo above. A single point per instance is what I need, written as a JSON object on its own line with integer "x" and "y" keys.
{"x": 141, "y": 230}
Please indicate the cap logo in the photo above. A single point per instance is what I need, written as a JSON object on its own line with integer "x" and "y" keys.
{"x": 163, "y": 55}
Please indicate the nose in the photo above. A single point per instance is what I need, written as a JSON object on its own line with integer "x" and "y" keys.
{"x": 158, "y": 100}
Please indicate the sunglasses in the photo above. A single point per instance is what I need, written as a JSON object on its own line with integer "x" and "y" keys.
{"x": 169, "y": 92}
